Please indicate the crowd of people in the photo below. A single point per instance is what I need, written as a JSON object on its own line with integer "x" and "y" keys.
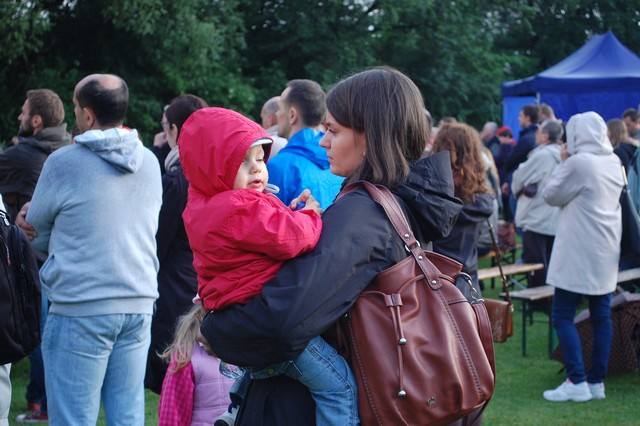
{"x": 233, "y": 243}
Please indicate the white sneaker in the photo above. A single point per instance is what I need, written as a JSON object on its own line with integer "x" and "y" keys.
{"x": 568, "y": 391}
{"x": 597, "y": 390}
{"x": 228, "y": 418}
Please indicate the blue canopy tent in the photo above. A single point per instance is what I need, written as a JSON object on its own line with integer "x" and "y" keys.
{"x": 602, "y": 76}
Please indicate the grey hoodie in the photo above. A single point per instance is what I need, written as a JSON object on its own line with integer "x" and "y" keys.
{"x": 95, "y": 209}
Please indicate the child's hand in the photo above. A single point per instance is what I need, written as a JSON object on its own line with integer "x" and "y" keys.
{"x": 310, "y": 202}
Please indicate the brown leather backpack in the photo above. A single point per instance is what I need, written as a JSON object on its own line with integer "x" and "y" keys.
{"x": 421, "y": 353}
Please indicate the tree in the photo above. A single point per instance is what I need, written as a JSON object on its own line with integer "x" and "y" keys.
{"x": 446, "y": 49}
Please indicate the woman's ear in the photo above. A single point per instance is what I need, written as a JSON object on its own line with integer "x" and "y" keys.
{"x": 361, "y": 141}
{"x": 172, "y": 135}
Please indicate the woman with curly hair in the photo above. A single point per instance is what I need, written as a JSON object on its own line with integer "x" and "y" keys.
{"x": 464, "y": 146}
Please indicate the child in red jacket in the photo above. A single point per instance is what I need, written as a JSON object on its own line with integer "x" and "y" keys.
{"x": 241, "y": 235}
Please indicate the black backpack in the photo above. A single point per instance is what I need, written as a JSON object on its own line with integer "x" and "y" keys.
{"x": 20, "y": 302}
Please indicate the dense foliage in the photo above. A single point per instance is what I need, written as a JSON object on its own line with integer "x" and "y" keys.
{"x": 238, "y": 53}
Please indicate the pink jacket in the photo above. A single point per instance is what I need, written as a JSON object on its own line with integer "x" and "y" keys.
{"x": 196, "y": 394}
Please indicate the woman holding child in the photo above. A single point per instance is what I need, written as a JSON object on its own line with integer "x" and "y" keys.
{"x": 376, "y": 131}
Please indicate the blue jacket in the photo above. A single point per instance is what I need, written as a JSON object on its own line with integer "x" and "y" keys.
{"x": 303, "y": 164}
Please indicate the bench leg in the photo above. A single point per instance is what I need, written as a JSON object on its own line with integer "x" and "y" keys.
{"x": 551, "y": 331}
{"x": 525, "y": 308}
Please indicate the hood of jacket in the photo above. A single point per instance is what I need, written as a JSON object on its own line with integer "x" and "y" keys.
{"x": 428, "y": 193}
{"x": 587, "y": 133}
{"x": 213, "y": 143}
{"x": 478, "y": 211}
{"x": 306, "y": 143}
{"x": 117, "y": 146}
{"x": 49, "y": 139}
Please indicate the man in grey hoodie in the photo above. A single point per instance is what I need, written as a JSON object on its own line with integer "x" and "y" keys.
{"x": 95, "y": 210}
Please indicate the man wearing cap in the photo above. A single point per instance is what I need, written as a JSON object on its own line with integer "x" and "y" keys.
{"x": 99, "y": 227}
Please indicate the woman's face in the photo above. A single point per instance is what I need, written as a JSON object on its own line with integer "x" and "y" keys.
{"x": 345, "y": 147}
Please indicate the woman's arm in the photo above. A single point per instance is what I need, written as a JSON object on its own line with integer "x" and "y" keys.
{"x": 564, "y": 183}
{"x": 311, "y": 291}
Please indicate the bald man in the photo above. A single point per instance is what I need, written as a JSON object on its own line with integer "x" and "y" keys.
{"x": 95, "y": 211}
{"x": 270, "y": 124}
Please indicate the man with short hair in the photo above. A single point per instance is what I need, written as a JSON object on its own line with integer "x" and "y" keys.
{"x": 41, "y": 132}
{"x": 303, "y": 163}
{"x": 95, "y": 210}
{"x": 528, "y": 119}
{"x": 270, "y": 124}
{"x": 630, "y": 118}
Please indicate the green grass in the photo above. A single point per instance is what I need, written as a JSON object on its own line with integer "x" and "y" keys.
{"x": 518, "y": 396}
{"x": 521, "y": 381}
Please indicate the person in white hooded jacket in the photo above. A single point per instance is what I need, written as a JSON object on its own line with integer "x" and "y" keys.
{"x": 537, "y": 219}
{"x": 584, "y": 261}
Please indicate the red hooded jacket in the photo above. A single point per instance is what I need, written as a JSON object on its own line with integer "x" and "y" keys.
{"x": 240, "y": 238}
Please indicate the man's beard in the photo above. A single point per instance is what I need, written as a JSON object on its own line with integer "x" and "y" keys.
{"x": 26, "y": 130}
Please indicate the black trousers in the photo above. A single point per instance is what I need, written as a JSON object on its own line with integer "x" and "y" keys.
{"x": 536, "y": 248}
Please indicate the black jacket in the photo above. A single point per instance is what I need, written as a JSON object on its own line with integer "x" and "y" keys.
{"x": 625, "y": 151}
{"x": 311, "y": 292}
{"x": 20, "y": 165}
{"x": 526, "y": 142}
{"x": 462, "y": 243}
{"x": 177, "y": 280}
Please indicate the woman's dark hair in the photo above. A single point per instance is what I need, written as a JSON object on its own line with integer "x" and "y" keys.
{"x": 181, "y": 108}
{"x": 464, "y": 146}
{"x": 388, "y": 107}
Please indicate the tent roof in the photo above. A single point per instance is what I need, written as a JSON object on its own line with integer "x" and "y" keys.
{"x": 603, "y": 63}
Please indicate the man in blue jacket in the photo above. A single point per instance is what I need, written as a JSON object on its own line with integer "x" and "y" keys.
{"x": 303, "y": 163}
{"x": 529, "y": 116}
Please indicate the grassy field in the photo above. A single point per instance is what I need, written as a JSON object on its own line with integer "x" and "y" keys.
{"x": 518, "y": 397}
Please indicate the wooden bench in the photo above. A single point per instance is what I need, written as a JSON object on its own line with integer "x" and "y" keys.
{"x": 510, "y": 271}
{"x": 545, "y": 294}
{"x": 528, "y": 296}
{"x": 508, "y": 256}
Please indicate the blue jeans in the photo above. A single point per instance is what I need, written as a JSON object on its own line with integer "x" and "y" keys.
{"x": 565, "y": 304}
{"x": 91, "y": 358}
{"x": 327, "y": 375}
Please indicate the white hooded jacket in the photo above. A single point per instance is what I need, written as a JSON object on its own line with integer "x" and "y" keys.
{"x": 586, "y": 187}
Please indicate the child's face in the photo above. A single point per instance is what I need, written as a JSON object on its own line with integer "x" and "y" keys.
{"x": 252, "y": 173}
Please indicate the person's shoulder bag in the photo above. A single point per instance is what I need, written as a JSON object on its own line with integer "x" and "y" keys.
{"x": 421, "y": 352}
{"x": 630, "y": 242}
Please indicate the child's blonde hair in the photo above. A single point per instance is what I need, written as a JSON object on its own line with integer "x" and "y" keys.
{"x": 186, "y": 335}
